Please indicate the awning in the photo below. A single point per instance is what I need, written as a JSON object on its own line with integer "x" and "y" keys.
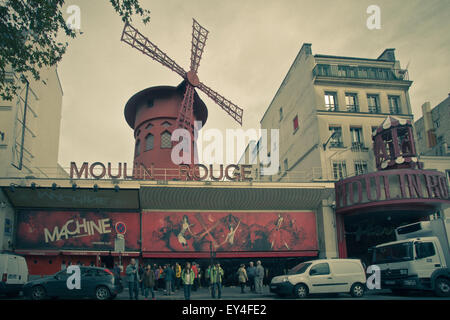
{"x": 81, "y": 198}
{"x": 235, "y": 197}
{"x": 38, "y": 252}
{"x": 240, "y": 254}
{"x": 100, "y": 253}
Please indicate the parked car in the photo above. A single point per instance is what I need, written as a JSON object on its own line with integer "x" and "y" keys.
{"x": 97, "y": 283}
{"x": 322, "y": 276}
{"x": 13, "y": 273}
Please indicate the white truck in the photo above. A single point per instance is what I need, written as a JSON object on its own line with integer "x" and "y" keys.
{"x": 418, "y": 260}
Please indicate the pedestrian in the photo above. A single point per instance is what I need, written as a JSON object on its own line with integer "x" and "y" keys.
{"x": 242, "y": 277}
{"x": 156, "y": 271}
{"x": 63, "y": 265}
{"x": 187, "y": 277}
{"x": 259, "y": 276}
{"x": 251, "y": 276}
{"x": 116, "y": 272}
{"x": 216, "y": 276}
{"x": 141, "y": 275}
{"x": 177, "y": 276}
{"x": 133, "y": 279}
{"x": 195, "y": 269}
{"x": 149, "y": 282}
{"x": 168, "y": 278}
{"x": 161, "y": 278}
{"x": 199, "y": 276}
{"x": 173, "y": 281}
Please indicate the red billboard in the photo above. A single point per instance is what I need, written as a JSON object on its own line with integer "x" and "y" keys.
{"x": 228, "y": 232}
{"x": 77, "y": 230}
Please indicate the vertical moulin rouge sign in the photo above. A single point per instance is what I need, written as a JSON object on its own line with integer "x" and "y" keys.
{"x": 71, "y": 230}
{"x": 225, "y": 231}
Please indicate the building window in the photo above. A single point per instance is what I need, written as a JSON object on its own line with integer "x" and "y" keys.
{"x": 295, "y": 123}
{"x": 357, "y": 137}
{"x": 339, "y": 170}
{"x": 374, "y": 129}
{"x": 149, "y": 126}
{"x": 360, "y": 167}
{"x": 331, "y": 101}
{"x": 374, "y": 103}
{"x": 336, "y": 137}
{"x": 436, "y": 123}
{"x": 8, "y": 227}
{"x": 440, "y": 143}
{"x": 286, "y": 167}
{"x": 150, "y": 103}
{"x": 166, "y": 142}
{"x": 138, "y": 147}
{"x": 166, "y": 124}
{"x": 149, "y": 141}
{"x": 394, "y": 104}
{"x": 281, "y": 114}
{"x": 351, "y": 101}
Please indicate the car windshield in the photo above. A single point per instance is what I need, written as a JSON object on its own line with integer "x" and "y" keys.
{"x": 393, "y": 253}
{"x": 300, "y": 268}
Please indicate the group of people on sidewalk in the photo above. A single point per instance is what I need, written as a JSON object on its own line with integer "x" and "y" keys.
{"x": 253, "y": 276}
{"x": 146, "y": 279}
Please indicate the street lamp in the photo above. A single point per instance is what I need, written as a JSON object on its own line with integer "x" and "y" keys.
{"x": 334, "y": 135}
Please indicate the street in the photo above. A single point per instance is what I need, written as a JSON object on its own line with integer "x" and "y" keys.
{"x": 233, "y": 293}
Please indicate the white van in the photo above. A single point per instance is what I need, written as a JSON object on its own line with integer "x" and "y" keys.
{"x": 13, "y": 273}
{"x": 322, "y": 276}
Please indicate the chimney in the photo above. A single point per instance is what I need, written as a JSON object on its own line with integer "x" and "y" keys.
{"x": 387, "y": 55}
{"x": 306, "y": 49}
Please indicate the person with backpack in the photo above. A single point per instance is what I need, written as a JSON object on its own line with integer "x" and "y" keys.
{"x": 168, "y": 278}
{"x": 133, "y": 279}
{"x": 251, "y": 276}
{"x": 242, "y": 277}
{"x": 177, "y": 276}
{"x": 195, "y": 269}
{"x": 148, "y": 282}
{"x": 259, "y": 276}
{"x": 187, "y": 277}
{"x": 216, "y": 277}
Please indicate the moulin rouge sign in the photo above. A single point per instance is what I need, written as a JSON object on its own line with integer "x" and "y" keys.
{"x": 198, "y": 172}
{"x": 392, "y": 187}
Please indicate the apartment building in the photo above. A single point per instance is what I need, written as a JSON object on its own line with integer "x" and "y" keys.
{"x": 326, "y": 110}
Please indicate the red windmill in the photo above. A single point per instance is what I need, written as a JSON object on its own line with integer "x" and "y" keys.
{"x": 156, "y": 111}
{"x": 134, "y": 38}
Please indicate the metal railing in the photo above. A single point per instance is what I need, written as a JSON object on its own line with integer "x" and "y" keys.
{"x": 325, "y": 70}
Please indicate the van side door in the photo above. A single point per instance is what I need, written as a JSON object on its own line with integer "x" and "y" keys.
{"x": 320, "y": 278}
{"x": 12, "y": 269}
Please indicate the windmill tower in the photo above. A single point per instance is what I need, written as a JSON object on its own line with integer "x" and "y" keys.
{"x": 154, "y": 113}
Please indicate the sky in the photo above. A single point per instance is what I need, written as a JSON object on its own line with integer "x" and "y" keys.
{"x": 250, "y": 47}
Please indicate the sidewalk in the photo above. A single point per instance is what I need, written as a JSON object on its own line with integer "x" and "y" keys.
{"x": 204, "y": 294}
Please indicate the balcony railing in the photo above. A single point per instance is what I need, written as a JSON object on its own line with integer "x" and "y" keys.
{"x": 344, "y": 72}
{"x": 358, "y": 146}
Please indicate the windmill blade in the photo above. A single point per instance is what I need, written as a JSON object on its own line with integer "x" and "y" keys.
{"x": 186, "y": 113}
{"x": 137, "y": 40}
{"x": 199, "y": 36}
{"x": 233, "y": 110}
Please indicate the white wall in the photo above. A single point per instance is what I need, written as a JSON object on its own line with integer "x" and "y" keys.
{"x": 6, "y": 212}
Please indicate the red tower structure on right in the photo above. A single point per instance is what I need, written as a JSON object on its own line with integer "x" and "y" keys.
{"x": 394, "y": 146}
